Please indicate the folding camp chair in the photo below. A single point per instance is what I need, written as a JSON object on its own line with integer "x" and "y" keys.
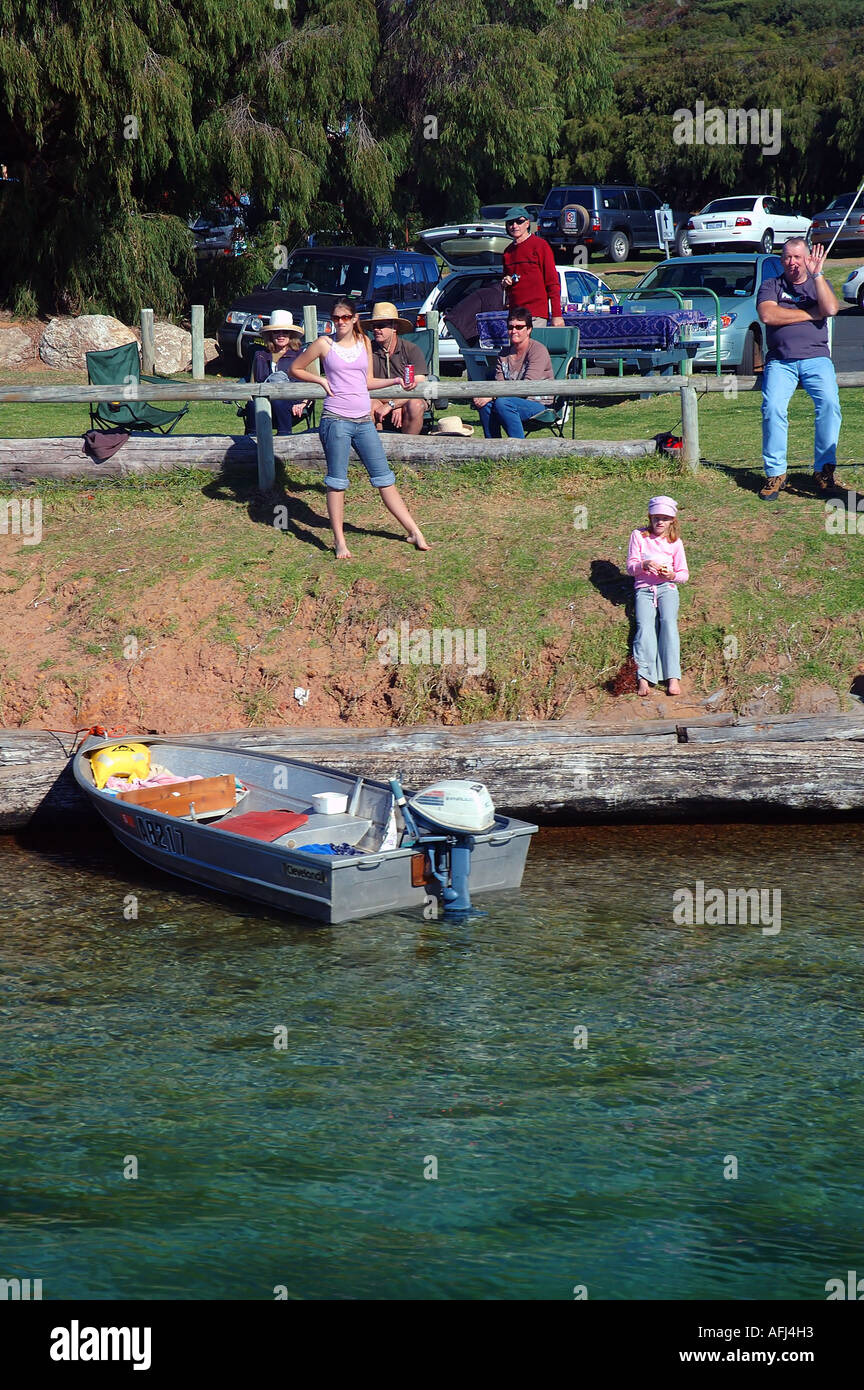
{"x": 121, "y": 366}
{"x": 562, "y": 344}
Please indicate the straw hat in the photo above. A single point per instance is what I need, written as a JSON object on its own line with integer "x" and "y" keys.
{"x": 388, "y": 313}
{"x": 281, "y": 321}
{"x": 452, "y": 424}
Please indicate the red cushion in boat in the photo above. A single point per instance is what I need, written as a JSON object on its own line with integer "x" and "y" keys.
{"x": 263, "y": 825}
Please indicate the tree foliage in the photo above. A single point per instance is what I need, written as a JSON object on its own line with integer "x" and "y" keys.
{"x": 379, "y": 116}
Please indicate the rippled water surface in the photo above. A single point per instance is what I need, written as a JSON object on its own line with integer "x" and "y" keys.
{"x": 411, "y": 1041}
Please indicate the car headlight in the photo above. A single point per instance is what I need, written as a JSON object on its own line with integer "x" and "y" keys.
{"x": 256, "y": 323}
{"x": 237, "y": 318}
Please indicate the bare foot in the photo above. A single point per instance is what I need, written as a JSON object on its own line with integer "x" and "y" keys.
{"x": 343, "y": 553}
{"x": 417, "y": 538}
{"x": 642, "y": 687}
{"x": 674, "y": 687}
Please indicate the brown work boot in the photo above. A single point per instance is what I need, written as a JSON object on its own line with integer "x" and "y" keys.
{"x": 773, "y": 487}
{"x": 826, "y": 482}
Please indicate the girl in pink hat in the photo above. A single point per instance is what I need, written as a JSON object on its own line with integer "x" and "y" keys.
{"x": 657, "y": 562}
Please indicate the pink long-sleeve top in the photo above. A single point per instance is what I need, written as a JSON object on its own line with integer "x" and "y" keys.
{"x": 643, "y": 546}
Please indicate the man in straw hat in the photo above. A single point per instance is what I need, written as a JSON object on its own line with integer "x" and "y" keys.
{"x": 284, "y": 344}
{"x": 390, "y": 356}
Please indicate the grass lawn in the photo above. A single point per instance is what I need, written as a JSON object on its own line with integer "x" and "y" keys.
{"x": 230, "y": 612}
{"x": 196, "y": 571}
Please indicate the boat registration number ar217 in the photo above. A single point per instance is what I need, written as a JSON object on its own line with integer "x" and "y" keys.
{"x": 161, "y": 836}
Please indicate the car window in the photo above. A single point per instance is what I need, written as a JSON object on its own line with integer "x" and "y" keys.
{"x": 556, "y": 199}
{"x": 730, "y": 205}
{"x": 648, "y": 199}
{"x": 842, "y": 203}
{"x": 724, "y": 277}
{"x": 579, "y": 286}
{"x": 782, "y": 209}
{"x": 771, "y": 268}
{"x": 322, "y": 274}
{"x": 612, "y": 199}
{"x": 385, "y": 282}
{"x": 631, "y": 198}
{"x": 413, "y": 279}
{"x": 456, "y": 287}
{"x": 430, "y": 268}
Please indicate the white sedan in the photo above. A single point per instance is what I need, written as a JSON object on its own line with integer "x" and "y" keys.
{"x": 853, "y": 287}
{"x": 759, "y": 223}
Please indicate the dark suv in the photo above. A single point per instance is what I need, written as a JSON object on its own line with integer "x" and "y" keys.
{"x": 320, "y": 275}
{"x": 612, "y": 218}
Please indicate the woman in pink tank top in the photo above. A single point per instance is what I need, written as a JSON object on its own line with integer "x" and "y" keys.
{"x": 347, "y": 421}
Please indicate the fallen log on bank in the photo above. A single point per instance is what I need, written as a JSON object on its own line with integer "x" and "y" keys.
{"x": 575, "y": 772}
{"x": 29, "y": 460}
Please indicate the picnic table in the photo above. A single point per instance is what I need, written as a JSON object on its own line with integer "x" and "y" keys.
{"x": 648, "y": 341}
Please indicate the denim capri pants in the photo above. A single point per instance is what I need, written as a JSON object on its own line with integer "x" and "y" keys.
{"x": 337, "y": 436}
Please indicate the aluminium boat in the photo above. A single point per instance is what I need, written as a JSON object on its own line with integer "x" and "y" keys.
{"x": 298, "y": 836}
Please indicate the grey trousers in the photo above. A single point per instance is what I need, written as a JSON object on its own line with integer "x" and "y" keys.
{"x": 657, "y": 648}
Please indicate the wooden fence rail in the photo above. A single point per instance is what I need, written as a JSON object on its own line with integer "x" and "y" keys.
{"x": 690, "y": 388}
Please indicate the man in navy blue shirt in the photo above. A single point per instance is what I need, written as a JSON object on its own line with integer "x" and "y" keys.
{"x": 795, "y": 308}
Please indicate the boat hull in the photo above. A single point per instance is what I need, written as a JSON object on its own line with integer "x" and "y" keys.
{"x": 320, "y": 887}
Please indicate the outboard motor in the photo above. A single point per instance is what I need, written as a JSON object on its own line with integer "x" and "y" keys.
{"x": 444, "y": 818}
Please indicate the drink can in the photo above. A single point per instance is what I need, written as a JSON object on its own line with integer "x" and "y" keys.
{"x": 408, "y": 376}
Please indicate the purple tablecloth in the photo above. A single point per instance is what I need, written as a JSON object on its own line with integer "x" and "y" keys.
{"x": 651, "y": 332}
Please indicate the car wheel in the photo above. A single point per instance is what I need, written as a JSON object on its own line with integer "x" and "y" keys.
{"x": 767, "y": 242}
{"x": 682, "y": 244}
{"x": 751, "y": 358}
{"x": 861, "y": 299}
{"x": 619, "y": 247}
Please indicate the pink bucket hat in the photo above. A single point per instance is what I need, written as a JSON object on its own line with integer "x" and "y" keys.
{"x": 663, "y": 504}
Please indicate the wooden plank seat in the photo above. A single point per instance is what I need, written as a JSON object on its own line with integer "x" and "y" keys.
{"x": 204, "y": 796}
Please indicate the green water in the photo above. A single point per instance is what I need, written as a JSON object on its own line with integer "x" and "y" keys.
{"x": 408, "y": 1040}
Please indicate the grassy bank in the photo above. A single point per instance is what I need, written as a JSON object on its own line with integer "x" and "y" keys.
{"x": 176, "y": 602}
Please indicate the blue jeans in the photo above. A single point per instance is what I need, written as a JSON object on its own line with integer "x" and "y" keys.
{"x": 816, "y": 375}
{"x": 509, "y": 412}
{"x": 656, "y": 648}
{"x": 337, "y": 437}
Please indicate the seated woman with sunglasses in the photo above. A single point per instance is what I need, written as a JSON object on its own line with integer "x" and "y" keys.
{"x": 525, "y": 361}
{"x": 346, "y": 359}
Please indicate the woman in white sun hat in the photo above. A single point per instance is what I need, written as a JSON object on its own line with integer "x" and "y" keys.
{"x": 284, "y": 345}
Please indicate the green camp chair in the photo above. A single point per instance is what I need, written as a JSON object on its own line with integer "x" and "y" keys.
{"x": 562, "y": 344}
{"x": 121, "y": 366}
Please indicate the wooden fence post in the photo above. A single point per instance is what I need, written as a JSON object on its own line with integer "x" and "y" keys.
{"x": 690, "y": 427}
{"x": 148, "y": 343}
{"x": 432, "y": 322}
{"x": 198, "y": 342}
{"x": 264, "y": 437}
{"x": 310, "y": 333}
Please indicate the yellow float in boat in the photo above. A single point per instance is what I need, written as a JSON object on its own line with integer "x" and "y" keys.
{"x": 120, "y": 760}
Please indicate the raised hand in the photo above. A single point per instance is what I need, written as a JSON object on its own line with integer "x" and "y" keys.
{"x": 816, "y": 260}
